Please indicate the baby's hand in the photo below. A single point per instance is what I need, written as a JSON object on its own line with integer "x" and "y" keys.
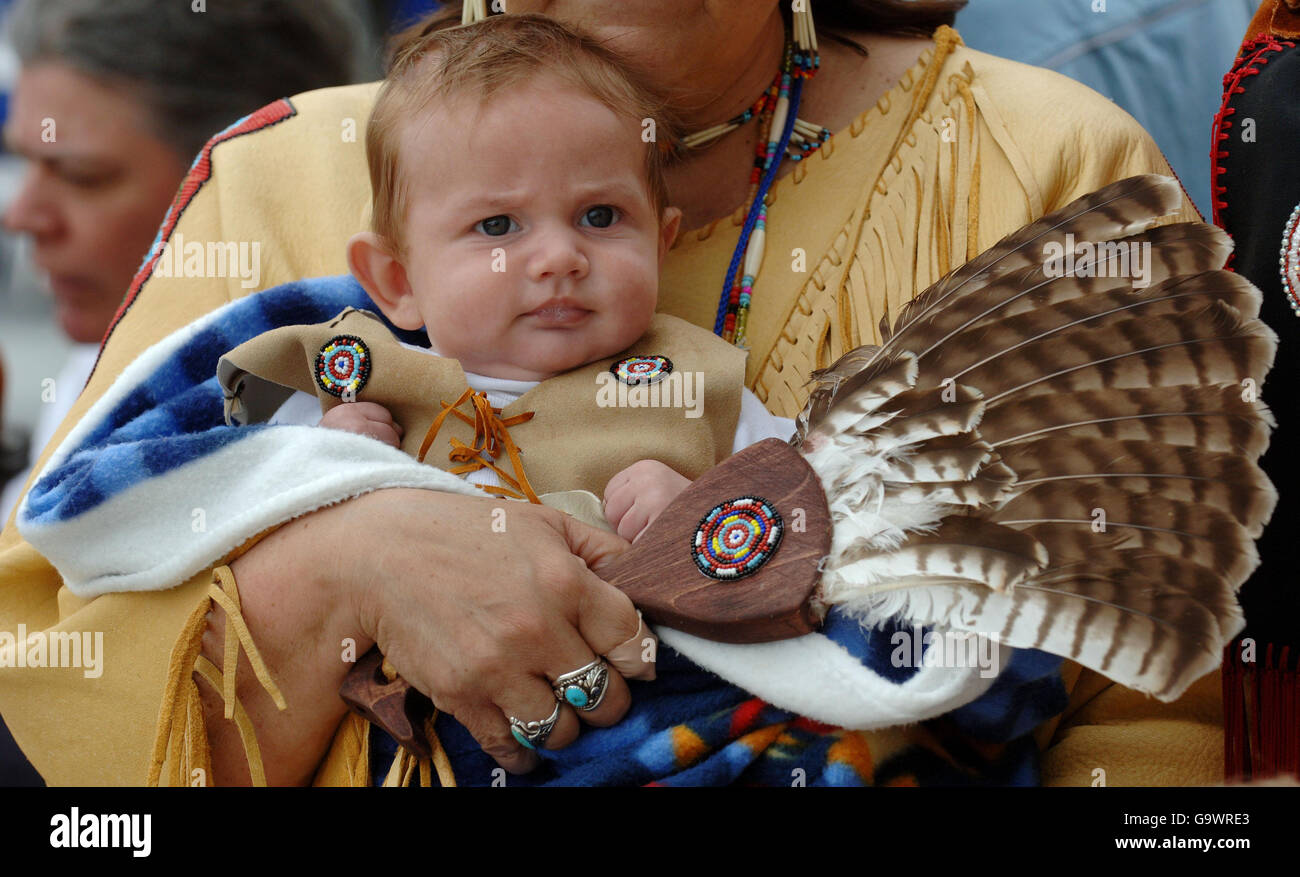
{"x": 636, "y": 496}
{"x": 365, "y": 418}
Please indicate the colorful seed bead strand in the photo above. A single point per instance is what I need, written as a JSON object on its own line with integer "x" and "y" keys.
{"x": 735, "y": 288}
{"x": 785, "y": 135}
{"x": 703, "y": 138}
{"x": 758, "y": 236}
{"x": 806, "y": 136}
{"x": 733, "y": 307}
{"x": 804, "y": 140}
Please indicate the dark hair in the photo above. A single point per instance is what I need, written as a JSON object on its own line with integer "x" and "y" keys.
{"x": 919, "y": 17}
{"x": 197, "y": 70}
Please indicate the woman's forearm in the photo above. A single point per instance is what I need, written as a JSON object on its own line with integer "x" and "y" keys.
{"x": 303, "y": 624}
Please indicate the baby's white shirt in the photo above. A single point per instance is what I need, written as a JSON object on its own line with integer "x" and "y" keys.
{"x": 755, "y": 423}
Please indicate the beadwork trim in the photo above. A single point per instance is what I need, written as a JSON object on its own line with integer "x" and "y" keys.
{"x": 1289, "y": 260}
{"x": 1253, "y": 54}
{"x": 736, "y": 537}
{"x": 781, "y": 126}
{"x": 343, "y": 365}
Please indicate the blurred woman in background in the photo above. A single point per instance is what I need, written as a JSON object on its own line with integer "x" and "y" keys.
{"x": 114, "y": 100}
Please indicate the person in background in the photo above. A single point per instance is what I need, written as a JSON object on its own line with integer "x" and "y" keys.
{"x": 112, "y": 103}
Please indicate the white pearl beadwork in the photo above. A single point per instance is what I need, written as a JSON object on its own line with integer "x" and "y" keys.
{"x": 1289, "y": 260}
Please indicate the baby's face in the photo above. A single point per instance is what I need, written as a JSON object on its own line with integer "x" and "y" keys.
{"x": 532, "y": 244}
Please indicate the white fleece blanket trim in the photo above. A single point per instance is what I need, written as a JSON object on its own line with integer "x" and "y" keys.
{"x": 298, "y": 469}
{"x": 815, "y": 676}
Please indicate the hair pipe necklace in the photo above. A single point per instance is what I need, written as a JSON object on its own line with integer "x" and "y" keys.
{"x": 783, "y": 135}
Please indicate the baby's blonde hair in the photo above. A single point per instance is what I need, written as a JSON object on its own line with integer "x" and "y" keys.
{"x": 481, "y": 59}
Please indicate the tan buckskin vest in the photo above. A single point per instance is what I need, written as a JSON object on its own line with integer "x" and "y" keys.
{"x": 587, "y": 425}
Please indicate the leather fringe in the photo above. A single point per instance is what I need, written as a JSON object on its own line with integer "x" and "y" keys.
{"x": 1261, "y": 712}
{"x": 181, "y": 739}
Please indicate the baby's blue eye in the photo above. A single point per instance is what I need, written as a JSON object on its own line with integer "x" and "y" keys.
{"x": 602, "y": 216}
{"x": 495, "y": 225}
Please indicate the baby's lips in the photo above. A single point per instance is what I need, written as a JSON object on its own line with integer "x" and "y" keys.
{"x": 560, "y": 314}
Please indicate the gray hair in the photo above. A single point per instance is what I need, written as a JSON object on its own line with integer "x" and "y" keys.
{"x": 198, "y": 67}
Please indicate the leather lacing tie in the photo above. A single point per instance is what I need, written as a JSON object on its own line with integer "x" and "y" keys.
{"x": 490, "y": 436}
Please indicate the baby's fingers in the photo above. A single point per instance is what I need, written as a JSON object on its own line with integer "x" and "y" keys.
{"x": 633, "y": 524}
{"x": 368, "y": 410}
{"x": 384, "y": 432}
{"x": 618, "y": 500}
{"x": 388, "y": 433}
{"x": 365, "y": 418}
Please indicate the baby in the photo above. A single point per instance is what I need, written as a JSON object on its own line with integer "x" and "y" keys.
{"x": 519, "y": 217}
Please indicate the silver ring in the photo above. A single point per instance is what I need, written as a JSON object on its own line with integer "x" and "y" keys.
{"x": 532, "y": 735}
{"x": 584, "y": 688}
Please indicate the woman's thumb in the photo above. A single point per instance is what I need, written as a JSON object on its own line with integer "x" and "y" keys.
{"x": 597, "y": 548}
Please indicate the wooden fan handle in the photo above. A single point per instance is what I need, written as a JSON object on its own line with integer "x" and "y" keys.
{"x": 662, "y": 577}
{"x": 394, "y": 705}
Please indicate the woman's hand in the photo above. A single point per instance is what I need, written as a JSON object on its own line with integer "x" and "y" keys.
{"x": 479, "y": 603}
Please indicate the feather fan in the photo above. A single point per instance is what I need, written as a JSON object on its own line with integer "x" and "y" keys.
{"x": 1056, "y": 448}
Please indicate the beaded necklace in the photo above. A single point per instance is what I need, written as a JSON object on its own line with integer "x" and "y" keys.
{"x": 782, "y": 134}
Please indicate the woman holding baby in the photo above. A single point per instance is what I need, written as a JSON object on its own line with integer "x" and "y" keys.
{"x": 932, "y": 153}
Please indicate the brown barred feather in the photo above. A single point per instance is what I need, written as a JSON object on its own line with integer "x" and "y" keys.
{"x": 1211, "y": 346}
{"x": 1202, "y": 534}
{"x": 1228, "y": 482}
{"x": 964, "y": 548}
{"x": 1096, "y": 310}
{"x": 1219, "y": 418}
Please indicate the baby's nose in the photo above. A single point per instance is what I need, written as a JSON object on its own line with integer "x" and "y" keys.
{"x": 559, "y": 254}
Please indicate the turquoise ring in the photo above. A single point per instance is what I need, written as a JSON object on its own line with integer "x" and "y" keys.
{"x": 532, "y": 735}
{"x": 584, "y": 688}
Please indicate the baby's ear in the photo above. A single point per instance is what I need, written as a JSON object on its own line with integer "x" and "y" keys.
{"x": 668, "y": 227}
{"x": 383, "y": 277}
